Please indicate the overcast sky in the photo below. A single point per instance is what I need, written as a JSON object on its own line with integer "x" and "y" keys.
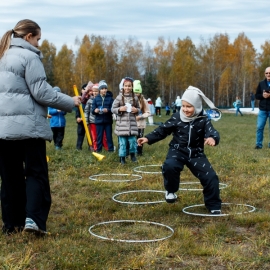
{"x": 62, "y": 21}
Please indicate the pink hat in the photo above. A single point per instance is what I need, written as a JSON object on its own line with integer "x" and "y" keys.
{"x": 89, "y": 86}
{"x": 95, "y": 86}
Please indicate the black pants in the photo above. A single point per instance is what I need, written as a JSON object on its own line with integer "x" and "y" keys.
{"x": 80, "y": 135}
{"x": 25, "y": 189}
{"x": 140, "y": 135}
{"x": 200, "y": 167}
{"x": 58, "y": 135}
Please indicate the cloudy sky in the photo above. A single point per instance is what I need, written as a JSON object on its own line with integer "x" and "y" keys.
{"x": 62, "y": 21}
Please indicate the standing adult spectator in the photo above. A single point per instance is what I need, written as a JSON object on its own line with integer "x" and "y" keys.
{"x": 178, "y": 103}
{"x": 158, "y": 105}
{"x": 263, "y": 95}
{"x": 252, "y": 101}
{"x": 24, "y": 98}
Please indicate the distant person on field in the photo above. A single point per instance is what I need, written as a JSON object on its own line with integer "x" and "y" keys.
{"x": 238, "y": 104}
{"x": 24, "y": 98}
{"x": 178, "y": 103}
{"x": 144, "y": 113}
{"x": 158, "y": 105}
{"x": 252, "y": 101}
{"x": 263, "y": 95}
{"x": 152, "y": 111}
{"x": 191, "y": 130}
{"x": 57, "y": 123}
{"x": 126, "y": 107}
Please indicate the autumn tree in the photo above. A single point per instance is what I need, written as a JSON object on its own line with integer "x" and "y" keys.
{"x": 49, "y": 52}
{"x": 213, "y": 59}
{"x": 130, "y": 58}
{"x": 244, "y": 66}
{"x": 81, "y": 67}
{"x": 164, "y": 56}
{"x": 64, "y": 70}
{"x": 264, "y": 58}
{"x": 183, "y": 68}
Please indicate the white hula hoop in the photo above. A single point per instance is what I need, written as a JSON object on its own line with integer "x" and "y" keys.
{"x": 137, "y": 169}
{"x": 252, "y": 209}
{"x": 134, "y": 191}
{"x": 221, "y": 186}
{"x": 94, "y": 177}
{"x": 131, "y": 240}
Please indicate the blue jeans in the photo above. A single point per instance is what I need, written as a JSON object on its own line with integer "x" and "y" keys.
{"x": 252, "y": 104}
{"x": 123, "y": 140}
{"x": 238, "y": 110}
{"x": 261, "y": 121}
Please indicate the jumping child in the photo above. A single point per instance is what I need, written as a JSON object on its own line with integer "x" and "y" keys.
{"x": 191, "y": 130}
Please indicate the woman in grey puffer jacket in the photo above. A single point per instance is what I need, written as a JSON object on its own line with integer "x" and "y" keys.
{"x": 24, "y": 98}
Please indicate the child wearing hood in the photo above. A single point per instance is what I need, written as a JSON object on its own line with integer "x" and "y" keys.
{"x": 191, "y": 130}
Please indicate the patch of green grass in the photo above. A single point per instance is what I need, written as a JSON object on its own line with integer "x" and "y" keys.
{"x": 230, "y": 242}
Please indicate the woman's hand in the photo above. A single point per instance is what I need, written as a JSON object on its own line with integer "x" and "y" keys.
{"x": 77, "y": 100}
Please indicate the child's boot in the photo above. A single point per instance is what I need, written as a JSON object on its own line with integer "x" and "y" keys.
{"x": 133, "y": 157}
{"x": 122, "y": 160}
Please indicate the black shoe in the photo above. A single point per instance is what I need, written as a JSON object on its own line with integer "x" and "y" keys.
{"x": 215, "y": 212}
{"x": 122, "y": 160}
{"x": 13, "y": 230}
{"x": 133, "y": 157}
{"x": 257, "y": 147}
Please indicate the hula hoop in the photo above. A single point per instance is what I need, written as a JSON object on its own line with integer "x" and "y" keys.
{"x": 94, "y": 177}
{"x": 221, "y": 186}
{"x": 133, "y": 191}
{"x": 137, "y": 169}
{"x": 252, "y": 209}
{"x": 131, "y": 240}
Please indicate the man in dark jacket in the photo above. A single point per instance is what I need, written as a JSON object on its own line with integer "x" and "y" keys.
{"x": 263, "y": 95}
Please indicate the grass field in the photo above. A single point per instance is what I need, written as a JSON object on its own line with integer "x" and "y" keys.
{"x": 236, "y": 241}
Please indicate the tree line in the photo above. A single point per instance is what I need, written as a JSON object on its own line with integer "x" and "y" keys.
{"x": 221, "y": 69}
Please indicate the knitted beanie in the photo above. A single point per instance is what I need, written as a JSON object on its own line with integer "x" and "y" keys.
{"x": 102, "y": 84}
{"x": 95, "y": 86}
{"x": 137, "y": 88}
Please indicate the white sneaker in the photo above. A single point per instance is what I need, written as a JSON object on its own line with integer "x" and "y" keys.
{"x": 170, "y": 197}
{"x": 31, "y": 226}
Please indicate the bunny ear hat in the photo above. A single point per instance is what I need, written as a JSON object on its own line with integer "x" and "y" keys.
{"x": 194, "y": 96}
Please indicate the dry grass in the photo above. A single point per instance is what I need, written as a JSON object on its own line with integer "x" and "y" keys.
{"x": 216, "y": 243}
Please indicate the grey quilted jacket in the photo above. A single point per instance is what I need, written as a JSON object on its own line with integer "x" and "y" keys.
{"x": 126, "y": 124}
{"x": 25, "y": 94}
